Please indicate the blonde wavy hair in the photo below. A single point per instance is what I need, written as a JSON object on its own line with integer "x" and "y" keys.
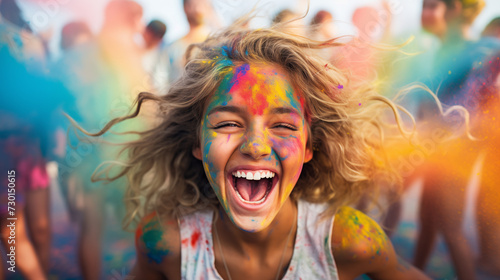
{"x": 346, "y": 127}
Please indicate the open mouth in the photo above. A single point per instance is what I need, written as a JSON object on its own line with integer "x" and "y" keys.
{"x": 254, "y": 186}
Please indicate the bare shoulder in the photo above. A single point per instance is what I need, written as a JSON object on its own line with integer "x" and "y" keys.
{"x": 158, "y": 248}
{"x": 360, "y": 246}
{"x": 355, "y": 235}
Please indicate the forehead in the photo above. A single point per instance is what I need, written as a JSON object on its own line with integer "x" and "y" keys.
{"x": 258, "y": 88}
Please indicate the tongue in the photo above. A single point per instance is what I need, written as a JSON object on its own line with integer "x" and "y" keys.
{"x": 251, "y": 190}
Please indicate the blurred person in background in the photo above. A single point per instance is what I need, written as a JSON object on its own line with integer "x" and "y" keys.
{"x": 104, "y": 76}
{"x": 482, "y": 90}
{"x": 433, "y": 17}
{"x": 297, "y": 27}
{"x": 26, "y": 136}
{"x": 448, "y": 169}
{"x": 75, "y": 34}
{"x": 481, "y": 95}
{"x": 373, "y": 23}
{"x": 358, "y": 56}
{"x": 33, "y": 50}
{"x": 365, "y": 62}
{"x": 20, "y": 151}
{"x": 412, "y": 65}
{"x": 458, "y": 52}
{"x": 29, "y": 109}
{"x": 197, "y": 12}
{"x": 117, "y": 42}
{"x": 492, "y": 29}
{"x": 155, "y": 60}
{"x": 11, "y": 12}
{"x": 322, "y": 28}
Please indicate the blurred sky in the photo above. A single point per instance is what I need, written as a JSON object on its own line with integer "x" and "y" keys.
{"x": 53, "y": 14}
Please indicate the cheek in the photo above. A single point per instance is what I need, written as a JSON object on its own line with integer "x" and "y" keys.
{"x": 208, "y": 164}
{"x": 292, "y": 146}
{"x": 217, "y": 149}
{"x": 288, "y": 147}
{"x": 208, "y": 149}
{"x": 291, "y": 151}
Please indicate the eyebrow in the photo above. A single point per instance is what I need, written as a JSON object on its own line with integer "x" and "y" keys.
{"x": 238, "y": 110}
{"x": 230, "y": 109}
{"x": 285, "y": 110}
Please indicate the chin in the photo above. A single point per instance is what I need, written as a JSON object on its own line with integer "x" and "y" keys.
{"x": 252, "y": 197}
{"x": 250, "y": 224}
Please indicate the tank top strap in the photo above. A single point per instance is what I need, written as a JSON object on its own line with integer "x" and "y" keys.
{"x": 312, "y": 256}
{"x": 197, "y": 256}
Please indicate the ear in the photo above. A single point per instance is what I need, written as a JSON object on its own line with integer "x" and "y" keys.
{"x": 197, "y": 153}
{"x": 308, "y": 155}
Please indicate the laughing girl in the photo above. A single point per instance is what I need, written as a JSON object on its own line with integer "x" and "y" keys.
{"x": 260, "y": 147}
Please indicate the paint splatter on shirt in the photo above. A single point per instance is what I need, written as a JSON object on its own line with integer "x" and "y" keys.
{"x": 312, "y": 256}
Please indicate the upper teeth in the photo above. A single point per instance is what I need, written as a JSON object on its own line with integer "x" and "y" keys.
{"x": 253, "y": 175}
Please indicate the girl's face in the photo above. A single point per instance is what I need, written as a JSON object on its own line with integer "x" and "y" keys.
{"x": 253, "y": 143}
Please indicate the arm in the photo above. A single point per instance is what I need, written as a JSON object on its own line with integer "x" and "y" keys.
{"x": 360, "y": 246}
{"x": 158, "y": 249}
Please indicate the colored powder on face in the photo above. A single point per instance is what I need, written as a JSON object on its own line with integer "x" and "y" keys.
{"x": 211, "y": 172}
{"x": 219, "y": 98}
{"x": 247, "y": 81}
{"x": 291, "y": 97}
{"x": 287, "y": 145}
{"x": 207, "y": 148}
{"x": 257, "y": 90}
{"x": 239, "y": 72}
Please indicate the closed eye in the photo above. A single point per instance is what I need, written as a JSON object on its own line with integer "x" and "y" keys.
{"x": 285, "y": 126}
{"x": 226, "y": 124}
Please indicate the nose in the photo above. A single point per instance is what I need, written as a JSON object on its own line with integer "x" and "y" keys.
{"x": 255, "y": 146}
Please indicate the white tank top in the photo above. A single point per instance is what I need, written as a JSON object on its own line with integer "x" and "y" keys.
{"x": 312, "y": 256}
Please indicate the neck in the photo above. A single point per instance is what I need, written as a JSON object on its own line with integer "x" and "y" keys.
{"x": 457, "y": 34}
{"x": 152, "y": 46}
{"x": 271, "y": 238}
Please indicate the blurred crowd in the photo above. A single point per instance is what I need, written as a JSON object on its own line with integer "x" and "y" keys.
{"x": 99, "y": 75}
